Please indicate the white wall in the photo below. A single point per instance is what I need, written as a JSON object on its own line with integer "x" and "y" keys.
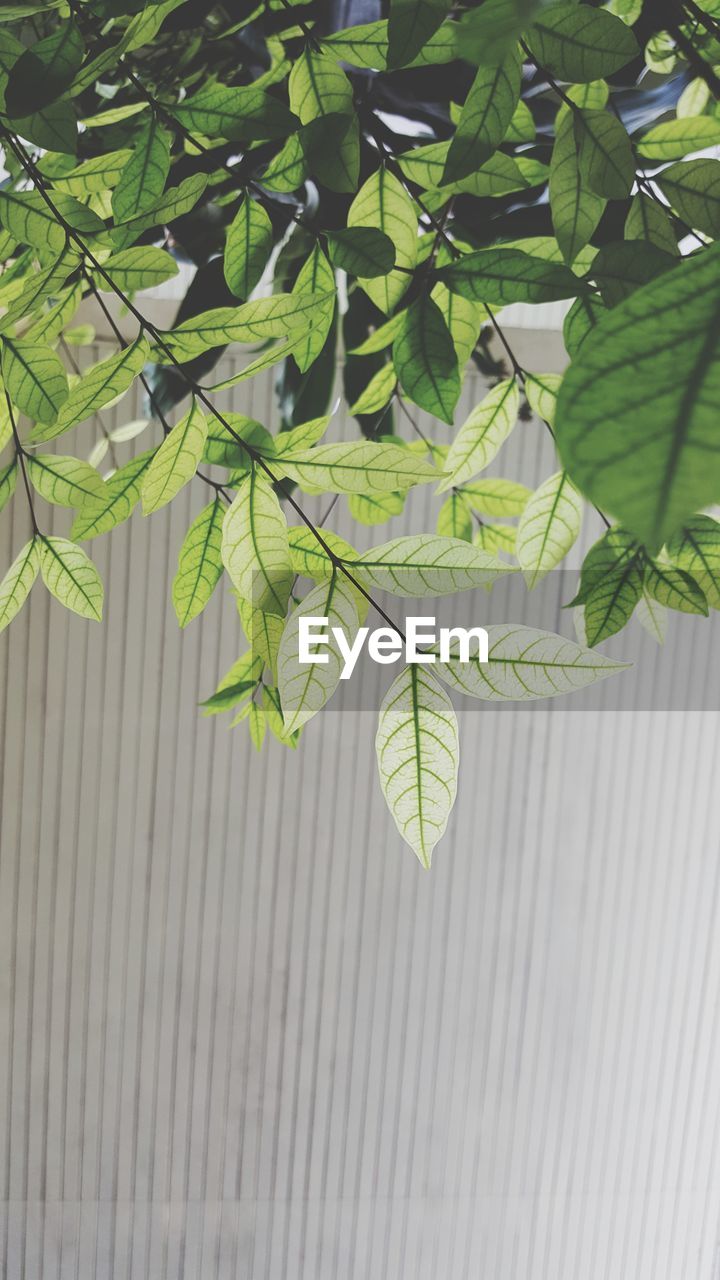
{"x": 243, "y": 1034}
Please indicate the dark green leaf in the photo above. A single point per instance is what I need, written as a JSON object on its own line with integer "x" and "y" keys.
{"x": 426, "y": 361}
{"x": 362, "y": 251}
{"x": 578, "y": 43}
{"x": 502, "y": 276}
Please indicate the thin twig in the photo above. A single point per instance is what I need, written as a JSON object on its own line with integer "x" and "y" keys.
{"x": 20, "y": 454}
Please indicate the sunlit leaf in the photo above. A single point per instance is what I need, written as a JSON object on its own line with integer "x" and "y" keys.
{"x": 176, "y": 461}
{"x": 306, "y": 687}
{"x": 200, "y": 563}
{"x": 71, "y": 577}
{"x": 255, "y": 549}
{"x": 15, "y": 586}
{"x": 482, "y": 434}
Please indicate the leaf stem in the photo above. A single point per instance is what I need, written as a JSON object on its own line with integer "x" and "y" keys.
{"x": 20, "y": 454}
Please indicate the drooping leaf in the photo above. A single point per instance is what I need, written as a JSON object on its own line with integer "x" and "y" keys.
{"x": 65, "y": 482}
{"x": 176, "y": 461}
{"x": 383, "y": 203}
{"x": 549, "y": 526}
{"x": 15, "y": 586}
{"x": 35, "y": 379}
{"x": 200, "y": 563}
{"x": 485, "y": 117}
{"x": 122, "y": 493}
{"x": 263, "y": 632}
{"x": 375, "y": 508}
{"x": 255, "y": 549}
{"x": 378, "y": 391}
{"x": 542, "y": 390}
{"x": 647, "y": 220}
{"x": 418, "y": 752}
{"x": 610, "y": 603}
{"x": 411, "y": 24}
{"x": 605, "y": 155}
{"x": 316, "y": 278}
{"x": 653, "y": 617}
{"x": 674, "y": 588}
{"x": 454, "y": 519}
{"x": 426, "y": 564}
{"x": 71, "y": 577}
{"x": 247, "y": 247}
{"x": 143, "y": 179}
{"x": 525, "y": 663}
{"x": 576, "y": 210}
{"x": 578, "y": 43}
{"x": 358, "y": 467}
{"x": 104, "y": 382}
{"x": 306, "y": 687}
{"x": 8, "y": 482}
{"x": 637, "y": 409}
{"x": 482, "y": 434}
{"x": 425, "y": 360}
{"x": 463, "y": 318}
{"x": 696, "y": 549}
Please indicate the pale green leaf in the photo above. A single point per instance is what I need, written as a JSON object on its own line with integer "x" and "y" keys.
{"x": 122, "y": 493}
{"x": 15, "y": 586}
{"x": 65, "y": 482}
{"x": 104, "y": 382}
{"x": 542, "y": 391}
{"x": 99, "y": 173}
{"x": 375, "y": 508}
{"x": 647, "y": 220}
{"x": 8, "y": 481}
{"x": 306, "y": 687}
{"x": 382, "y": 202}
{"x": 35, "y": 379}
{"x": 493, "y": 496}
{"x": 176, "y": 461}
{"x": 693, "y": 189}
{"x": 71, "y": 577}
{"x": 256, "y": 321}
{"x": 482, "y": 434}
{"x": 263, "y": 632}
{"x": 317, "y": 279}
{"x": 674, "y": 589}
{"x": 255, "y": 549}
{"x": 696, "y": 549}
{"x": 652, "y": 616}
{"x": 525, "y": 663}
{"x": 143, "y": 179}
{"x": 132, "y": 269}
{"x": 417, "y": 752}
{"x": 357, "y": 467}
{"x": 454, "y": 519}
{"x": 674, "y": 139}
{"x": 200, "y": 563}
{"x": 427, "y": 564}
{"x": 549, "y": 526}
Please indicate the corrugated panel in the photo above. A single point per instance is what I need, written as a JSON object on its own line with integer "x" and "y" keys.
{"x": 243, "y": 1034}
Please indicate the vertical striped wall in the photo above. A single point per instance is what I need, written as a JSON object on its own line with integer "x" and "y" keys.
{"x": 242, "y": 1034}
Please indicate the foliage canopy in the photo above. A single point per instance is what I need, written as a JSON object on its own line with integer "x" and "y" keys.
{"x": 380, "y": 189}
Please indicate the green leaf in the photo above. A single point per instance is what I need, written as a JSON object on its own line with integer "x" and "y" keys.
{"x": 224, "y": 449}
{"x": 485, "y": 117}
{"x": 637, "y": 411}
{"x": 174, "y": 204}
{"x": 241, "y": 679}
{"x": 482, "y": 434}
{"x": 496, "y": 537}
{"x": 239, "y": 114}
{"x": 582, "y": 318}
{"x": 696, "y": 549}
{"x": 133, "y": 269}
{"x": 263, "y": 632}
{"x": 15, "y": 586}
{"x": 316, "y": 278}
{"x": 493, "y": 496}
{"x": 610, "y": 603}
{"x": 377, "y": 508}
{"x": 37, "y": 289}
{"x": 454, "y": 519}
{"x": 427, "y": 564}
{"x": 366, "y": 45}
{"x": 65, "y": 482}
{"x": 122, "y": 493}
{"x": 51, "y": 323}
{"x": 464, "y": 320}
{"x": 8, "y": 481}
{"x": 623, "y": 266}
{"x": 35, "y": 379}
{"x": 176, "y": 461}
{"x": 418, "y": 753}
{"x": 143, "y": 179}
{"x": 647, "y": 220}
{"x": 674, "y": 589}
{"x": 653, "y": 617}
{"x": 362, "y": 251}
{"x": 331, "y": 146}
{"x": 99, "y": 173}
{"x": 306, "y": 687}
{"x": 200, "y": 563}
{"x": 410, "y": 25}
{"x": 542, "y": 390}
{"x": 426, "y": 361}
{"x": 549, "y": 526}
{"x": 605, "y": 153}
{"x": 524, "y": 663}
{"x": 102, "y": 383}
{"x": 287, "y": 170}
{"x": 614, "y": 550}
{"x": 502, "y": 276}
{"x": 247, "y": 248}
{"x": 577, "y": 43}
{"x": 674, "y": 139}
{"x": 255, "y": 549}
{"x": 576, "y": 210}
{"x": 304, "y": 436}
{"x": 255, "y": 321}
{"x": 382, "y": 202}
{"x": 357, "y": 467}
{"x": 71, "y": 577}
{"x": 485, "y": 33}
{"x": 30, "y": 220}
{"x": 693, "y": 189}
{"x": 44, "y": 71}
{"x": 378, "y": 391}
{"x": 308, "y": 556}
